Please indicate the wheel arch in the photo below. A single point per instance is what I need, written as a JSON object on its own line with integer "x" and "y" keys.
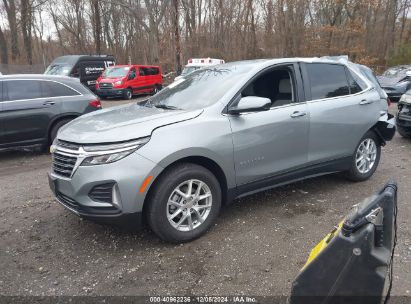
{"x": 57, "y": 119}
{"x": 203, "y": 161}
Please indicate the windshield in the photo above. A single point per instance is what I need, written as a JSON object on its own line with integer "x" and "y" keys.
{"x": 200, "y": 89}
{"x": 58, "y": 69}
{"x": 189, "y": 69}
{"x": 116, "y": 72}
{"x": 395, "y": 72}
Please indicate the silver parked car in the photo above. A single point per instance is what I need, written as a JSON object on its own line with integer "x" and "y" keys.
{"x": 221, "y": 133}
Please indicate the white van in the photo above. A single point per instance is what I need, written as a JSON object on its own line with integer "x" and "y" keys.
{"x": 198, "y": 63}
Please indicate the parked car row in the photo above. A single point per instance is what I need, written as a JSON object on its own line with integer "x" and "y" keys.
{"x": 219, "y": 132}
{"x": 396, "y": 81}
{"x": 34, "y": 107}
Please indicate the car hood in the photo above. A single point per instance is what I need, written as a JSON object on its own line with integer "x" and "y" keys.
{"x": 121, "y": 124}
{"x": 388, "y": 81}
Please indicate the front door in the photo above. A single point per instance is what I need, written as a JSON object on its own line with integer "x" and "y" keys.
{"x": 272, "y": 142}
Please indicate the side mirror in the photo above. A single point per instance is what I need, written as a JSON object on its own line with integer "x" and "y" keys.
{"x": 251, "y": 104}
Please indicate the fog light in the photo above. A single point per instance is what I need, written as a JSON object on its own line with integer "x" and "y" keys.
{"x": 116, "y": 198}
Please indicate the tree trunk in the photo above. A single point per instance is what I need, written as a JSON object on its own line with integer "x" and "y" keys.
{"x": 3, "y": 48}
{"x": 97, "y": 26}
{"x": 177, "y": 37}
{"x": 26, "y": 22}
{"x": 11, "y": 16}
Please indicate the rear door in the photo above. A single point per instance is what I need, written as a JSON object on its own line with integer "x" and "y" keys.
{"x": 342, "y": 109}
{"x": 27, "y": 111}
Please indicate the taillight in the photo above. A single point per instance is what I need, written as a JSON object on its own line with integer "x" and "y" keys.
{"x": 96, "y": 85}
{"x": 95, "y": 104}
{"x": 190, "y": 61}
{"x": 388, "y": 102}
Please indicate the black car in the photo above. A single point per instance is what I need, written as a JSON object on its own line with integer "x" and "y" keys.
{"x": 34, "y": 107}
{"x": 404, "y": 115}
{"x": 85, "y": 67}
{"x": 396, "y": 81}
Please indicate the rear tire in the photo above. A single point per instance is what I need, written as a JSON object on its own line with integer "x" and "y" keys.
{"x": 366, "y": 158}
{"x": 177, "y": 216}
{"x": 56, "y": 127}
{"x": 128, "y": 94}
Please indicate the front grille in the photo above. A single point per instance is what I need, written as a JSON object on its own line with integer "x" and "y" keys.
{"x": 69, "y": 202}
{"x": 404, "y": 109}
{"x": 105, "y": 85}
{"x": 102, "y": 193}
{"x": 63, "y": 165}
{"x": 68, "y": 145}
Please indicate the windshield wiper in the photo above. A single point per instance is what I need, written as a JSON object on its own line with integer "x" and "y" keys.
{"x": 166, "y": 107}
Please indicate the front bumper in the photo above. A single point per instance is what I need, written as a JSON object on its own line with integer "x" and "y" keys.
{"x": 127, "y": 174}
{"x": 404, "y": 124}
{"x": 110, "y": 92}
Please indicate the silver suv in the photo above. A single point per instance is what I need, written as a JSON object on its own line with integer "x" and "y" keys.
{"x": 221, "y": 133}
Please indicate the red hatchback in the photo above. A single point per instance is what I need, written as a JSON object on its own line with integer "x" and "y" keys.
{"x": 128, "y": 80}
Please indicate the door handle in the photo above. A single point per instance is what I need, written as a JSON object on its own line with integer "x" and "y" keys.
{"x": 48, "y": 103}
{"x": 298, "y": 114}
{"x": 365, "y": 102}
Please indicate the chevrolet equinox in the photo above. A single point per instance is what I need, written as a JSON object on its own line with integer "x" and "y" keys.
{"x": 220, "y": 133}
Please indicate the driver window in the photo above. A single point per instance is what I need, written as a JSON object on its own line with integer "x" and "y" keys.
{"x": 132, "y": 74}
{"x": 277, "y": 85}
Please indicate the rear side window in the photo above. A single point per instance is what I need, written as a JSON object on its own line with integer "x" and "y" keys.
{"x": 54, "y": 89}
{"x": 142, "y": 72}
{"x": 327, "y": 80}
{"x": 354, "y": 86}
{"x": 153, "y": 71}
{"x": 149, "y": 71}
{"x": 22, "y": 89}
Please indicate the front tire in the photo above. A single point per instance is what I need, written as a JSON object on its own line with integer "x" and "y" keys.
{"x": 55, "y": 129}
{"x": 184, "y": 203}
{"x": 366, "y": 158}
{"x": 156, "y": 89}
{"x": 128, "y": 94}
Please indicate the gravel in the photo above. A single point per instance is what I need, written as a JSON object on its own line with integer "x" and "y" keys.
{"x": 257, "y": 247}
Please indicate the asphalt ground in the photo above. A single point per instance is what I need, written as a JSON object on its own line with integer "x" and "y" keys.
{"x": 257, "y": 247}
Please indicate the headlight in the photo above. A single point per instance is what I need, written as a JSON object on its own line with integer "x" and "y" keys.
{"x": 402, "y": 84}
{"x": 105, "y": 159}
{"x": 118, "y": 83}
{"x": 110, "y": 153}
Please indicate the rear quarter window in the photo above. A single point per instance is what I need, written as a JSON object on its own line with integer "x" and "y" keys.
{"x": 55, "y": 89}
{"x": 327, "y": 80}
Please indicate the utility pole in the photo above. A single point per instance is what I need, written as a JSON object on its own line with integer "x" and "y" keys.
{"x": 177, "y": 37}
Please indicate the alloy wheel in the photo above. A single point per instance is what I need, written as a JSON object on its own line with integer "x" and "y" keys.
{"x": 189, "y": 205}
{"x": 366, "y": 156}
